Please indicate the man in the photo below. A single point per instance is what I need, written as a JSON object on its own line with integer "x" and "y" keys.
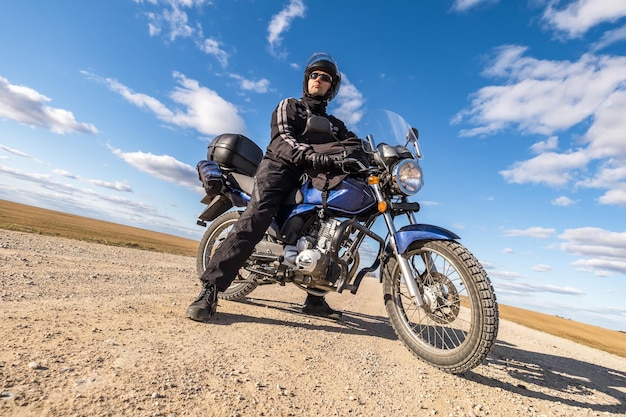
{"x": 289, "y": 154}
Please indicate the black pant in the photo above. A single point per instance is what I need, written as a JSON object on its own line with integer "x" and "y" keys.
{"x": 273, "y": 182}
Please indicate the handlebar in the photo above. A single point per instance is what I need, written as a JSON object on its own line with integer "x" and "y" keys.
{"x": 352, "y": 166}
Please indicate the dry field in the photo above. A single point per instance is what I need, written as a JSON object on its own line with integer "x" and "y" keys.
{"x": 23, "y": 218}
{"x": 19, "y": 217}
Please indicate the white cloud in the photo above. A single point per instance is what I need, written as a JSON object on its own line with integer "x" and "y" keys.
{"x": 548, "y": 145}
{"x": 281, "y": 22}
{"x": 544, "y": 97}
{"x": 527, "y": 289}
{"x": 563, "y": 201}
{"x": 601, "y": 267}
{"x": 541, "y": 96}
{"x": 137, "y": 99}
{"x": 601, "y": 251}
{"x": 42, "y": 179}
{"x": 84, "y": 201}
{"x": 117, "y": 185}
{"x": 508, "y": 251}
{"x": 597, "y": 237}
{"x": 581, "y": 15}
{"x": 163, "y": 167}
{"x": 260, "y": 86}
{"x": 609, "y": 175}
{"x": 16, "y": 152}
{"x": 609, "y": 38}
{"x": 536, "y": 232}
{"x": 68, "y": 191}
{"x": 177, "y": 22}
{"x": 505, "y": 274}
{"x": 606, "y": 134}
{"x": 542, "y": 268}
{"x": 66, "y": 174}
{"x": 171, "y": 18}
{"x": 487, "y": 265}
{"x": 27, "y": 106}
{"x": 203, "y": 109}
{"x": 464, "y": 5}
{"x": 615, "y": 197}
{"x": 349, "y": 102}
{"x": 213, "y": 47}
{"x": 549, "y": 168}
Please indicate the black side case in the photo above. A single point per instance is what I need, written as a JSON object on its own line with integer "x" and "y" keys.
{"x": 235, "y": 153}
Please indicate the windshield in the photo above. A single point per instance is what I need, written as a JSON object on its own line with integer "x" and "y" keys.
{"x": 385, "y": 126}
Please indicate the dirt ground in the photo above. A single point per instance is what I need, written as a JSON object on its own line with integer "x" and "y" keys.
{"x": 94, "y": 330}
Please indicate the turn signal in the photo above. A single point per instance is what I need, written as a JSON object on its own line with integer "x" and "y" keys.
{"x": 382, "y": 206}
{"x": 372, "y": 180}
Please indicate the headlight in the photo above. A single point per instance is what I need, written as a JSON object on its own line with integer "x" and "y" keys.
{"x": 407, "y": 176}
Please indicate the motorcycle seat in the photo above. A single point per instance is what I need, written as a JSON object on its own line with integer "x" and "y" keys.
{"x": 241, "y": 181}
{"x": 246, "y": 184}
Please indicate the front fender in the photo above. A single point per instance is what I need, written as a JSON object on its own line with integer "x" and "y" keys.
{"x": 415, "y": 232}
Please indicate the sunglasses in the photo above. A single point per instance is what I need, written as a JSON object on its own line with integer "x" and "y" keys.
{"x": 323, "y": 77}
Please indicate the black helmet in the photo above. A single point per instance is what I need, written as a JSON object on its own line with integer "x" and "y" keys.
{"x": 324, "y": 62}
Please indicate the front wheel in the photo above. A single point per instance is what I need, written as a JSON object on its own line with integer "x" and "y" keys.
{"x": 457, "y": 326}
{"x": 212, "y": 238}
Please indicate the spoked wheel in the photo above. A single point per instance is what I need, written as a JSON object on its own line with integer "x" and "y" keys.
{"x": 213, "y": 237}
{"x": 457, "y": 326}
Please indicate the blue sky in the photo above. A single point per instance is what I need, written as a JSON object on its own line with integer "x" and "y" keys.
{"x": 106, "y": 107}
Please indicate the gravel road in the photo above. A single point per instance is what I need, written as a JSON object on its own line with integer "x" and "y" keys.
{"x": 95, "y": 330}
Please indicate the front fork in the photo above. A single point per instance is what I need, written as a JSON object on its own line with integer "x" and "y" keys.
{"x": 405, "y": 267}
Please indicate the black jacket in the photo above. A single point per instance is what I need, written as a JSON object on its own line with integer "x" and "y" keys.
{"x": 290, "y": 147}
{"x": 287, "y": 144}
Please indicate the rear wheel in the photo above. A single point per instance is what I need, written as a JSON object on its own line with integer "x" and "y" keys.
{"x": 457, "y": 327}
{"x": 212, "y": 238}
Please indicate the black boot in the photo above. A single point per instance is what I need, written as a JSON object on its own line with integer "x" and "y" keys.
{"x": 205, "y": 304}
{"x": 317, "y": 306}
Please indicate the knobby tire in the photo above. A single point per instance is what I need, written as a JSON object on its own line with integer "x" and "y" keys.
{"x": 460, "y": 329}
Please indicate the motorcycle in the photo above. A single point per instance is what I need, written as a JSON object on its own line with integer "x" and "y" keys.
{"x": 438, "y": 297}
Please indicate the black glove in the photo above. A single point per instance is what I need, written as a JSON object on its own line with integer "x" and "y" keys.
{"x": 320, "y": 161}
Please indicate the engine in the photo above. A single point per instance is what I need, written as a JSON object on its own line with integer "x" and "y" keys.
{"x": 310, "y": 258}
